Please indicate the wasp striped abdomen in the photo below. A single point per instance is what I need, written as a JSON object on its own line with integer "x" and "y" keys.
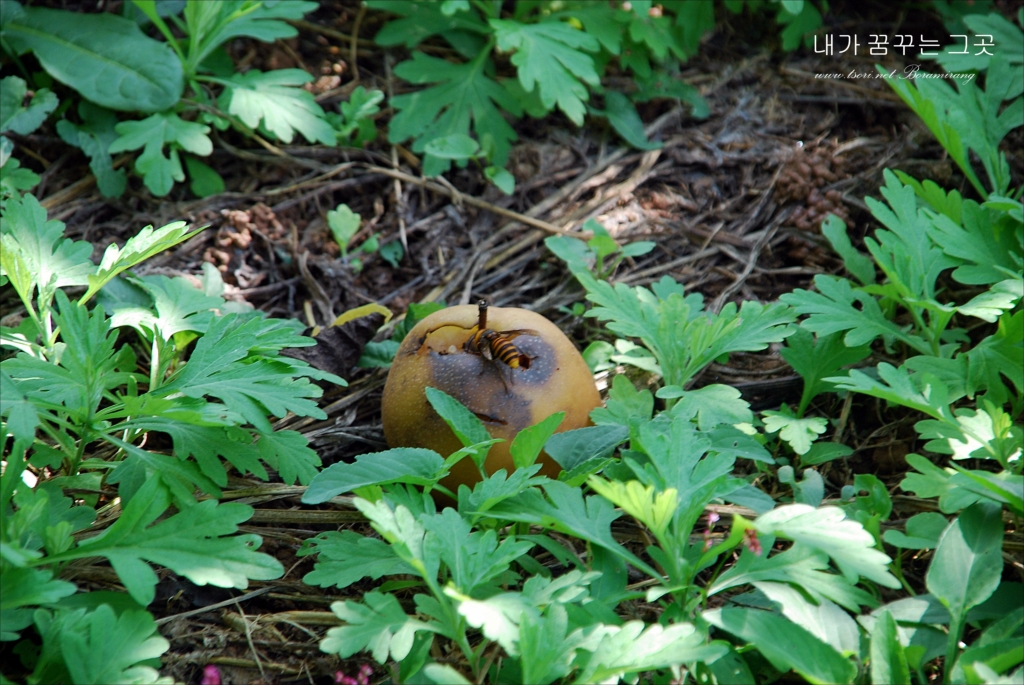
{"x": 492, "y": 345}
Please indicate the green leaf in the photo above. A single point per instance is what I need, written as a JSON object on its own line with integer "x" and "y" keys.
{"x": 379, "y": 354}
{"x": 930, "y": 104}
{"x": 990, "y": 250}
{"x": 288, "y": 453}
{"x": 990, "y": 305}
{"x": 815, "y": 357}
{"x": 48, "y": 259}
{"x": 443, "y": 673}
{"x": 255, "y": 388}
{"x": 654, "y": 34}
{"x": 573, "y": 448}
{"x": 179, "y": 305}
{"x": 936, "y": 197}
{"x": 103, "y": 647}
{"x": 636, "y": 646}
{"x": 13, "y": 179}
{"x": 905, "y": 252}
{"x": 968, "y": 562}
{"x": 604, "y": 25}
{"x": 275, "y": 101}
{"x": 147, "y": 243}
{"x": 565, "y": 510}
{"x": 548, "y": 57}
{"x": 801, "y": 566}
{"x": 496, "y": 488}
{"x": 457, "y": 146}
{"x": 474, "y": 558}
{"x": 347, "y": 557}
{"x": 213, "y": 24}
{"x": 205, "y": 181}
{"x": 153, "y": 134}
{"x": 696, "y": 20}
{"x": 420, "y": 21}
{"x": 652, "y": 508}
{"x": 398, "y": 465}
{"x": 923, "y": 392}
{"x": 104, "y": 57}
{"x": 357, "y": 116}
{"x": 20, "y": 412}
{"x": 497, "y": 617}
{"x": 544, "y": 651}
{"x": 344, "y": 224}
{"x": 505, "y": 181}
{"x": 810, "y": 490}
{"x": 822, "y": 452}
{"x": 87, "y": 368}
{"x": 888, "y": 660}
{"x": 998, "y": 355}
{"x": 923, "y": 532}
{"x": 799, "y": 24}
{"x": 730, "y": 441}
{"x": 622, "y": 115}
{"x": 1004, "y": 34}
{"x": 529, "y": 442}
{"x": 465, "y": 93}
{"x": 797, "y": 433}
{"x": 823, "y": 619}
{"x": 30, "y": 586}
{"x": 837, "y": 307}
{"x": 378, "y": 626}
{"x": 713, "y": 405}
{"x": 827, "y": 529}
{"x": 468, "y": 428}
{"x": 197, "y": 542}
{"x": 206, "y": 444}
{"x": 94, "y": 136}
{"x": 932, "y": 481}
{"x": 785, "y": 644}
{"x": 400, "y": 527}
{"x": 1005, "y": 487}
{"x": 18, "y": 117}
{"x": 681, "y": 337}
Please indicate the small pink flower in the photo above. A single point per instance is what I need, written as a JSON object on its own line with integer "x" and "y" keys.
{"x": 712, "y": 519}
{"x": 751, "y": 541}
{"x": 343, "y": 679}
{"x": 211, "y": 675}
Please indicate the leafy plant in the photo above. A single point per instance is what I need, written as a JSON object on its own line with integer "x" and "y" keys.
{"x": 797, "y": 19}
{"x": 77, "y": 408}
{"x": 678, "y": 338}
{"x": 559, "y": 54}
{"x": 354, "y": 125}
{"x": 183, "y": 84}
{"x": 481, "y": 587}
{"x": 344, "y": 224}
{"x": 963, "y": 582}
{"x": 21, "y": 118}
{"x": 592, "y": 254}
{"x": 932, "y": 237}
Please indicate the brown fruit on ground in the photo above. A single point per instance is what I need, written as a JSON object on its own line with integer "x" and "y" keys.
{"x": 506, "y": 399}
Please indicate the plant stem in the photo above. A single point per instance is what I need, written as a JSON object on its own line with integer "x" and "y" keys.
{"x": 956, "y": 627}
